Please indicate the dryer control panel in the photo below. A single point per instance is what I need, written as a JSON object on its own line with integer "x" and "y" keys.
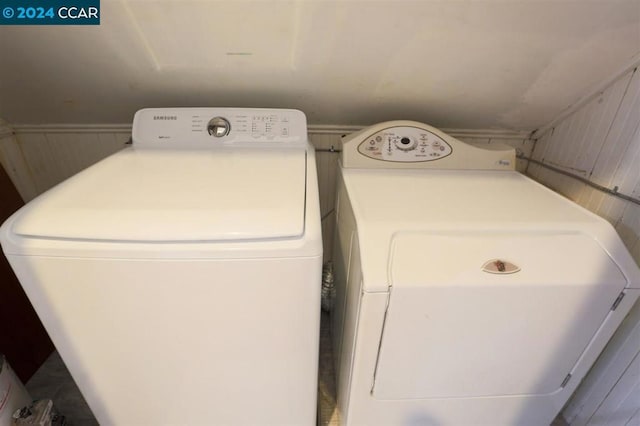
{"x": 405, "y": 144}
{"x": 413, "y": 145}
{"x": 208, "y": 127}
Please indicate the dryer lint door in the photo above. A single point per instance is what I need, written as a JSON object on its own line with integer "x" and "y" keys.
{"x": 491, "y": 314}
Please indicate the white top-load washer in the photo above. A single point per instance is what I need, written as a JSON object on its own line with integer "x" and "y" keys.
{"x": 180, "y": 278}
{"x": 467, "y": 294}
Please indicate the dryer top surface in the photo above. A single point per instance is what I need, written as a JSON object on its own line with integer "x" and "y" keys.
{"x": 391, "y": 204}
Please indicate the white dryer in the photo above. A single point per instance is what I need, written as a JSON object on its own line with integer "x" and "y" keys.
{"x": 180, "y": 278}
{"x": 467, "y": 294}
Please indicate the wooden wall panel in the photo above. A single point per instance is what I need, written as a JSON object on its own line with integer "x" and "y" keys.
{"x": 622, "y": 137}
{"x": 611, "y": 366}
{"x": 541, "y": 145}
{"x": 56, "y": 156}
{"x": 627, "y": 175}
{"x": 629, "y": 227}
{"x": 16, "y": 166}
{"x": 327, "y": 163}
{"x": 622, "y": 403}
{"x": 577, "y": 141}
{"x": 600, "y": 143}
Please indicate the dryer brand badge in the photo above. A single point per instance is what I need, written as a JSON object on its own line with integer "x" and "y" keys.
{"x": 500, "y": 266}
{"x": 165, "y": 117}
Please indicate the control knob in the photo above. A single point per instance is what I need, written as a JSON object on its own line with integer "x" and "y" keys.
{"x": 219, "y": 127}
{"x": 406, "y": 144}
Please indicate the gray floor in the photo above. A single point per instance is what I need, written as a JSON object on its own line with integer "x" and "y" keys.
{"x": 53, "y": 381}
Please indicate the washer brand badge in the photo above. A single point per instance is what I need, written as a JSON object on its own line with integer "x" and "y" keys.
{"x": 165, "y": 117}
{"x": 50, "y": 12}
{"x": 500, "y": 266}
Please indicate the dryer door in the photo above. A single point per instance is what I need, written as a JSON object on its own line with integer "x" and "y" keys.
{"x": 491, "y": 314}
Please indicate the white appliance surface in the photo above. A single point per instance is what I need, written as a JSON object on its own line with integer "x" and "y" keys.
{"x": 388, "y": 201}
{"x": 180, "y": 278}
{"x": 465, "y": 297}
{"x": 428, "y": 313}
{"x": 176, "y": 195}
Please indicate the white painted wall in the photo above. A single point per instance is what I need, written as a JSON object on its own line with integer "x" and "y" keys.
{"x": 457, "y": 64}
{"x": 600, "y": 142}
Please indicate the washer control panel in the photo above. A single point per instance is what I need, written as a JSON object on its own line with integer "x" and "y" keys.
{"x": 405, "y": 144}
{"x": 206, "y": 127}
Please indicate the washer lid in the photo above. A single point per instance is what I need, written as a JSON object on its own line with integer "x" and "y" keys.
{"x": 170, "y": 195}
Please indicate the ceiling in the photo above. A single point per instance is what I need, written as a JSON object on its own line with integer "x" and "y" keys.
{"x": 456, "y": 64}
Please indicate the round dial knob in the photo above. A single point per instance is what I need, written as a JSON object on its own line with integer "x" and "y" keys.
{"x": 219, "y": 127}
{"x": 406, "y": 144}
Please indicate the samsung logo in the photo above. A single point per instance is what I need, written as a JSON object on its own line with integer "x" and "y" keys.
{"x": 165, "y": 117}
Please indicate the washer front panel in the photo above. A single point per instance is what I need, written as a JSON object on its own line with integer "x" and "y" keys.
{"x": 405, "y": 144}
